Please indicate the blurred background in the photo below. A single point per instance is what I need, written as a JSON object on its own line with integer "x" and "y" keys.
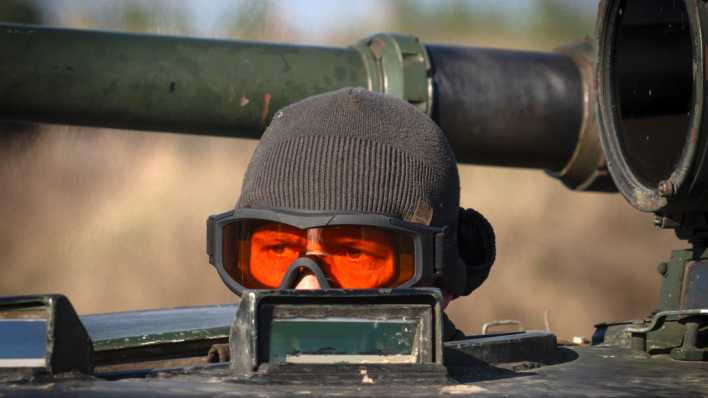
{"x": 116, "y": 220}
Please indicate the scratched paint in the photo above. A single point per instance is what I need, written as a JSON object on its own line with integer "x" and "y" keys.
{"x": 266, "y": 107}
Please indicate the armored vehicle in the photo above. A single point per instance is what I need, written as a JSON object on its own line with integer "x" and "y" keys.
{"x": 623, "y": 112}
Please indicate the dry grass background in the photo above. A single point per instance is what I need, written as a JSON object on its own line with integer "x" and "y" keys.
{"x": 116, "y": 221}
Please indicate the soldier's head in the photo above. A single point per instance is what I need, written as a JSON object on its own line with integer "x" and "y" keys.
{"x": 351, "y": 189}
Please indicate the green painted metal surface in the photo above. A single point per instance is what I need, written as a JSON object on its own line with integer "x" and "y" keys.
{"x": 595, "y": 372}
{"x": 151, "y": 82}
{"x": 672, "y": 273}
{"x": 398, "y": 65}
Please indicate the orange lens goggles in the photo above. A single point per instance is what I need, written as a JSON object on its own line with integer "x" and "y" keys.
{"x": 258, "y": 254}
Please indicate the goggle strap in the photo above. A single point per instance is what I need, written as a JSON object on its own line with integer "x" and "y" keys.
{"x": 293, "y": 273}
{"x": 439, "y": 247}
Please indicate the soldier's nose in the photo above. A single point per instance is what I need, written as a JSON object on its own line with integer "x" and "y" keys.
{"x": 308, "y": 282}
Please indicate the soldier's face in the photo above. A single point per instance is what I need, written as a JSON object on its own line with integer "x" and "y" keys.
{"x": 308, "y": 282}
{"x": 350, "y": 257}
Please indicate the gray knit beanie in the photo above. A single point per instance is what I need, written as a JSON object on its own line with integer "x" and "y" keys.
{"x": 355, "y": 150}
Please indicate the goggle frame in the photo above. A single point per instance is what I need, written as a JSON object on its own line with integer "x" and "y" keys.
{"x": 428, "y": 241}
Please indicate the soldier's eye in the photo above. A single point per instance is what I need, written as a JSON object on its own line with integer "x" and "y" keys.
{"x": 353, "y": 252}
{"x": 279, "y": 250}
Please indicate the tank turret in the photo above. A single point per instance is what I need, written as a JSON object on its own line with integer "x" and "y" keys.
{"x": 624, "y": 112}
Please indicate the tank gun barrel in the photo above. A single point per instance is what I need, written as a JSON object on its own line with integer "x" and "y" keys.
{"x": 151, "y": 82}
{"x": 498, "y": 107}
{"x": 508, "y": 108}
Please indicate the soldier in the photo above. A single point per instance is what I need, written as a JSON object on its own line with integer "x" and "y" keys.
{"x": 353, "y": 189}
